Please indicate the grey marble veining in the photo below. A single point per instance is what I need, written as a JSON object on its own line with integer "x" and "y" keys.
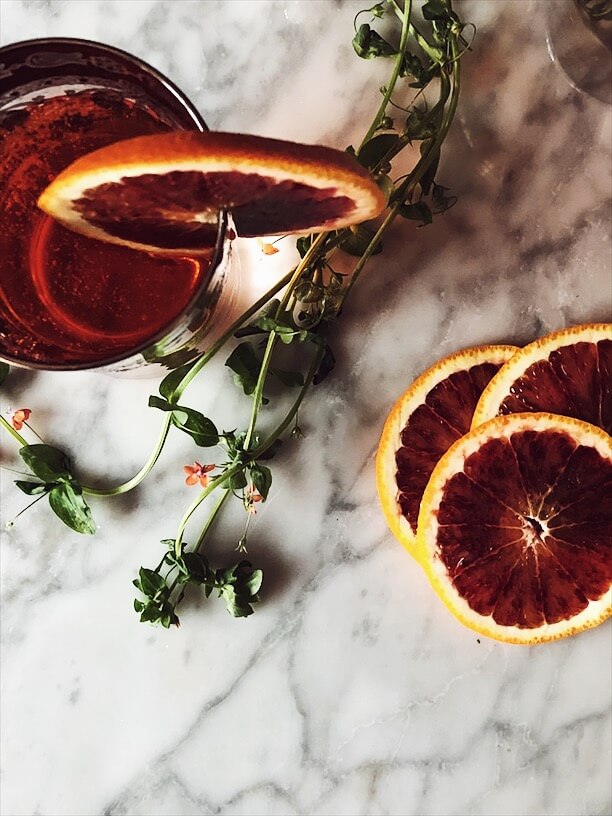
{"x": 351, "y": 690}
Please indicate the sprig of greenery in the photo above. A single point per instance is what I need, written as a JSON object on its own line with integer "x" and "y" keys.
{"x": 164, "y": 587}
{"x": 418, "y": 105}
{"x": 52, "y": 470}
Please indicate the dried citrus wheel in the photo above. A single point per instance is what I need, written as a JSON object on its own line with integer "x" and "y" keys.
{"x": 163, "y": 193}
{"x": 432, "y": 414}
{"x": 515, "y": 527}
{"x": 568, "y": 372}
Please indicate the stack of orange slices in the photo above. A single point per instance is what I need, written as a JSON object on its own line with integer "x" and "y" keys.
{"x": 495, "y": 471}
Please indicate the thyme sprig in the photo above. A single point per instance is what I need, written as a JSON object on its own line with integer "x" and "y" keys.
{"x": 418, "y": 104}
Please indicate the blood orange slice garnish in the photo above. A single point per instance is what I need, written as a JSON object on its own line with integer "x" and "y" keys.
{"x": 568, "y": 372}
{"x": 163, "y": 193}
{"x": 426, "y": 420}
{"x": 515, "y": 527}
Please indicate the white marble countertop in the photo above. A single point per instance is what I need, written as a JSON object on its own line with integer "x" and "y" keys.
{"x": 351, "y": 690}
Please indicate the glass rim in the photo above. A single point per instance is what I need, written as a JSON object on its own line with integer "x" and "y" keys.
{"x": 112, "y": 49}
{"x": 221, "y": 239}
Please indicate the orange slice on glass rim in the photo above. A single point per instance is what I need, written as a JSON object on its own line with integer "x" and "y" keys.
{"x": 568, "y": 372}
{"x": 163, "y": 193}
{"x": 515, "y": 527}
{"x": 425, "y": 421}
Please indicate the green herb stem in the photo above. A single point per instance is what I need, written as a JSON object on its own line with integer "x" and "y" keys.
{"x": 144, "y": 471}
{"x": 273, "y": 337}
{"x": 415, "y": 176}
{"x": 125, "y": 487}
{"x": 405, "y": 17}
{"x": 312, "y": 288}
{"x": 213, "y": 513}
{"x": 287, "y": 280}
{"x": 214, "y": 484}
{"x": 22, "y": 511}
{"x": 258, "y": 393}
{"x": 227, "y": 335}
{"x": 300, "y": 268}
{"x": 432, "y": 53}
{"x": 282, "y": 426}
{"x": 15, "y": 434}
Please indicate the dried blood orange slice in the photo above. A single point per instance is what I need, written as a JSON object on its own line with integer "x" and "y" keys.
{"x": 432, "y": 414}
{"x": 515, "y": 527}
{"x": 163, "y": 193}
{"x": 568, "y": 372}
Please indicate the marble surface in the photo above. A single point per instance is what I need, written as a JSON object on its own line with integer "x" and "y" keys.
{"x": 351, "y": 690}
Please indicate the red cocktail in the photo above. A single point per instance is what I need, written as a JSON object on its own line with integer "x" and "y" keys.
{"x": 67, "y": 301}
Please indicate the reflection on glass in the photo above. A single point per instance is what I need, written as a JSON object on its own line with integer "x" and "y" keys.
{"x": 579, "y": 38}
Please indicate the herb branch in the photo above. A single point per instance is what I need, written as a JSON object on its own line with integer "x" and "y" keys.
{"x": 426, "y": 72}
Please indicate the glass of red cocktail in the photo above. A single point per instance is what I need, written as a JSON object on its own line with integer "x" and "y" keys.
{"x": 68, "y": 301}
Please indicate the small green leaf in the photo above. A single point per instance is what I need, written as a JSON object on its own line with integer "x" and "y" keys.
{"x": 438, "y": 10}
{"x": 308, "y": 292}
{"x": 269, "y": 310}
{"x": 326, "y": 365}
{"x": 419, "y": 125}
{"x": 377, "y": 10}
{"x": 245, "y": 364}
{"x": 292, "y": 379}
{"x": 237, "y": 481}
{"x": 192, "y": 422}
{"x": 236, "y": 606}
{"x": 285, "y": 330}
{"x": 358, "y": 240}
{"x": 138, "y": 605}
{"x": 375, "y": 150}
{"x": 176, "y": 561}
{"x": 150, "y": 614}
{"x": 385, "y": 184}
{"x": 168, "y": 385}
{"x": 197, "y": 567}
{"x": 168, "y": 617}
{"x": 200, "y": 428}
{"x": 253, "y": 584}
{"x": 151, "y": 582}
{"x": 162, "y": 404}
{"x": 232, "y": 603}
{"x": 262, "y": 479}
{"x": 416, "y": 212}
{"x": 440, "y": 201}
{"x": 284, "y": 327}
{"x": 412, "y": 66}
{"x": 429, "y": 175}
{"x": 368, "y": 44}
{"x": 67, "y": 502}
{"x": 4, "y": 371}
{"x": 48, "y": 463}
{"x": 239, "y": 585}
{"x": 229, "y": 438}
{"x": 33, "y": 488}
{"x": 303, "y": 244}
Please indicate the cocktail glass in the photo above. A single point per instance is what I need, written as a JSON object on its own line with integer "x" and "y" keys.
{"x": 69, "y": 302}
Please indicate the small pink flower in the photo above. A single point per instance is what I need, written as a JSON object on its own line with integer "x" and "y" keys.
{"x": 250, "y": 500}
{"x": 19, "y": 417}
{"x": 197, "y": 473}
